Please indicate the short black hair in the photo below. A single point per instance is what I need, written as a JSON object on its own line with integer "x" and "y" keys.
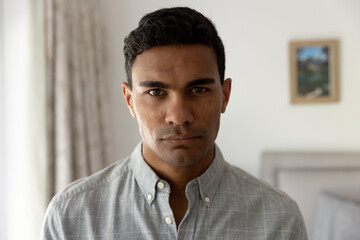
{"x": 167, "y": 26}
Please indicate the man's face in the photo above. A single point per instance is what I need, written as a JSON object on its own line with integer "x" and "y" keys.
{"x": 177, "y": 99}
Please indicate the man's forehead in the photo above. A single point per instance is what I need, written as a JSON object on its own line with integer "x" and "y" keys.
{"x": 187, "y": 62}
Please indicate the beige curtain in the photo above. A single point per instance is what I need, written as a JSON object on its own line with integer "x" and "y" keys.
{"x": 75, "y": 91}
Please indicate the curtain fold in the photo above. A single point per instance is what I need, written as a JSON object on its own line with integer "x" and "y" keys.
{"x": 76, "y": 98}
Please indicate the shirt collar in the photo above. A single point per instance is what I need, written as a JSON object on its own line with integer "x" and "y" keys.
{"x": 143, "y": 173}
{"x": 208, "y": 182}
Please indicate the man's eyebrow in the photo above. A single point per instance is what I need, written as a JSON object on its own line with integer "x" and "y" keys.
{"x": 158, "y": 84}
{"x": 201, "y": 81}
{"x": 153, "y": 84}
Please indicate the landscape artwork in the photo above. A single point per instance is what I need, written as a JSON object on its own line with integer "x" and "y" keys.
{"x": 314, "y": 71}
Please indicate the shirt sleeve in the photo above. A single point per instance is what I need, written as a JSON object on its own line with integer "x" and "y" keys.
{"x": 299, "y": 230}
{"x": 51, "y": 227}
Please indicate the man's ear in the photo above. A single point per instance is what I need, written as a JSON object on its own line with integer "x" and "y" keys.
{"x": 128, "y": 98}
{"x": 226, "y": 89}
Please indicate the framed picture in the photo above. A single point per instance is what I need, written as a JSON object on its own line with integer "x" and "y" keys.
{"x": 314, "y": 71}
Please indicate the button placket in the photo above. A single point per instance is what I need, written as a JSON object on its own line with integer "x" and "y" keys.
{"x": 161, "y": 186}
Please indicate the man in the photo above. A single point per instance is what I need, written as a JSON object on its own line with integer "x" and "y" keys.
{"x": 176, "y": 184}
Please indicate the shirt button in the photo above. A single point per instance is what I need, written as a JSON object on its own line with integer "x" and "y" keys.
{"x": 149, "y": 196}
{"x": 168, "y": 220}
{"x": 160, "y": 185}
{"x": 207, "y": 199}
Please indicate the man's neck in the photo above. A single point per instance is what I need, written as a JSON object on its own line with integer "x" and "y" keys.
{"x": 179, "y": 176}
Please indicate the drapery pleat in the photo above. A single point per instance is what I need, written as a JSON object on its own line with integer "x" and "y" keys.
{"x": 76, "y": 102}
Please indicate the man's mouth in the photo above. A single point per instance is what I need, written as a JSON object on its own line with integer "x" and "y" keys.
{"x": 186, "y": 139}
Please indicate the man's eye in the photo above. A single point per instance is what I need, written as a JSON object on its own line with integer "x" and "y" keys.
{"x": 156, "y": 92}
{"x": 198, "y": 90}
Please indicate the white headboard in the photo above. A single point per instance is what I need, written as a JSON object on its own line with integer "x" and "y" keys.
{"x": 303, "y": 175}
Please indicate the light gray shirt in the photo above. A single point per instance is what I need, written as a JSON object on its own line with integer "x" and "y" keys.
{"x": 127, "y": 200}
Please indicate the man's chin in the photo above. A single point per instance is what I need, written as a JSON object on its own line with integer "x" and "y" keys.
{"x": 182, "y": 156}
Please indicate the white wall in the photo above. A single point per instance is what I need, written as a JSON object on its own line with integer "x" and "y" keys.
{"x": 256, "y": 36}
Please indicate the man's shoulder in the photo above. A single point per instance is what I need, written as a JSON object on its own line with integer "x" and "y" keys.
{"x": 74, "y": 207}
{"x": 265, "y": 206}
{"x": 255, "y": 189}
{"x": 97, "y": 182}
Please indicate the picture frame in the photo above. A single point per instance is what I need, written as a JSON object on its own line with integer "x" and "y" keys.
{"x": 314, "y": 71}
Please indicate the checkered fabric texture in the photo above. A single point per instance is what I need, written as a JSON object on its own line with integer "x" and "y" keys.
{"x": 127, "y": 200}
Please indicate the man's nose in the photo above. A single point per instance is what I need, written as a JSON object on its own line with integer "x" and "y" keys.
{"x": 179, "y": 111}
